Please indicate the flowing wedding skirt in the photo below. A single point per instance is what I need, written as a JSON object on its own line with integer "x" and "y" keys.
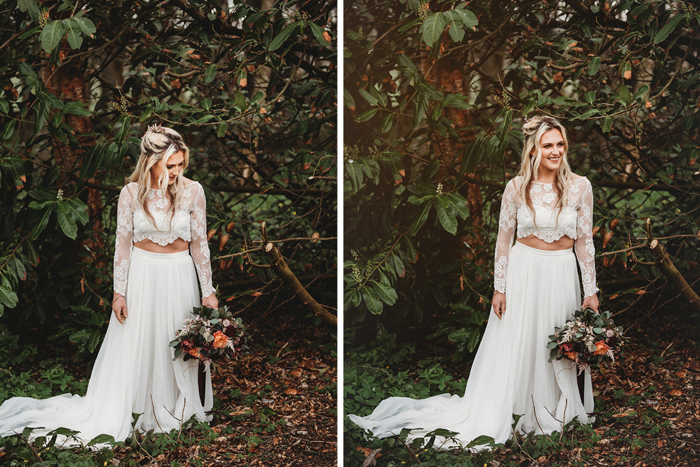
{"x": 134, "y": 371}
{"x": 511, "y": 373}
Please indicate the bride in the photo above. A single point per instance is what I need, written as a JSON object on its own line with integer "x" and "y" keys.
{"x": 161, "y": 249}
{"x": 551, "y": 211}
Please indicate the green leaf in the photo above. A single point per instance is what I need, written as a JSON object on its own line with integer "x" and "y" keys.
{"x": 239, "y": 101}
{"x": 447, "y": 219}
{"x": 380, "y": 96}
{"x": 368, "y": 97}
{"x": 482, "y": 441}
{"x": 75, "y": 39}
{"x": 41, "y": 225}
{"x": 625, "y": 94}
{"x": 102, "y": 439}
{"x": 587, "y": 114}
{"x": 283, "y": 36}
{"x": 468, "y": 18}
{"x": 593, "y": 66}
{"x": 77, "y": 108}
{"x": 432, "y": 28}
{"x": 221, "y": 130}
{"x": 372, "y": 301}
{"x": 349, "y": 100}
{"x": 318, "y": 34}
{"x": 454, "y": 22}
{"x": 63, "y": 432}
{"x": 418, "y": 223}
{"x": 8, "y": 297}
{"x": 51, "y": 35}
{"x": 9, "y": 129}
{"x": 607, "y": 124}
{"x": 363, "y": 117}
{"x": 50, "y": 100}
{"x": 86, "y": 25}
{"x": 457, "y": 33}
{"x": 32, "y": 7}
{"x": 589, "y": 97}
{"x": 68, "y": 225}
{"x": 386, "y": 294}
{"x": 26, "y": 69}
{"x": 77, "y": 208}
{"x": 4, "y": 106}
{"x": 668, "y": 29}
{"x": 210, "y": 73}
{"x": 387, "y": 123}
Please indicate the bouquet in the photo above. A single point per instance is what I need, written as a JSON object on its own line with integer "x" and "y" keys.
{"x": 210, "y": 335}
{"x": 588, "y": 339}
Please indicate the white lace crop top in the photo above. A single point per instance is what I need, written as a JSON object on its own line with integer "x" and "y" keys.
{"x": 574, "y": 221}
{"x": 188, "y": 223}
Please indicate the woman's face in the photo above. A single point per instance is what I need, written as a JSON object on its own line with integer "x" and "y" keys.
{"x": 552, "y": 150}
{"x": 175, "y": 165}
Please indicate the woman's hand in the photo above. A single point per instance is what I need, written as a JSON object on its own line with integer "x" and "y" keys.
{"x": 119, "y": 308}
{"x": 591, "y": 302}
{"x": 211, "y": 302}
{"x": 499, "y": 304}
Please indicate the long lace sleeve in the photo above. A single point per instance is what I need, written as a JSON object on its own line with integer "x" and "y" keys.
{"x": 199, "y": 246}
{"x": 506, "y": 232}
{"x": 124, "y": 242}
{"x": 585, "y": 251}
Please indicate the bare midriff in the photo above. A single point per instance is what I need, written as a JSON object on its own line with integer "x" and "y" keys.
{"x": 174, "y": 247}
{"x": 564, "y": 243}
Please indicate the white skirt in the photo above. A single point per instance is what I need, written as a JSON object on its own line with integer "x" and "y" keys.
{"x": 511, "y": 373}
{"x": 134, "y": 371}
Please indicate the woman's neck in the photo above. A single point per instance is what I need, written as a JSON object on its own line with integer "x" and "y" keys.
{"x": 155, "y": 183}
{"x": 546, "y": 176}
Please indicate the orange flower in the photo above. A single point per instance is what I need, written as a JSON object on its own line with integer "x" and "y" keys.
{"x": 571, "y": 356}
{"x": 601, "y": 348}
{"x": 220, "y": 340}
{"x": 194, "y": 352}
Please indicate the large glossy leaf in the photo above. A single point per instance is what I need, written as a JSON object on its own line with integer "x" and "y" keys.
{"x": 283, "y": 36}
{"x": 51, "y": 35}
{"x": 67, "y": 224}
{"x": 432, "y": 28}
{"x": 8, "y": 297}
{"x": 668, "y": 28}
{"x": 447, "y": 219}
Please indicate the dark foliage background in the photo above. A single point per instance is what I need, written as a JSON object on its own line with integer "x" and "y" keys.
{"x": 252, "y": 89}
{"x": 435, "y": 95}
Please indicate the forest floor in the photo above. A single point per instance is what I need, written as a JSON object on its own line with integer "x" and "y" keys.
{"x": 647, "y": 408}
{"x": 275, "y": 406}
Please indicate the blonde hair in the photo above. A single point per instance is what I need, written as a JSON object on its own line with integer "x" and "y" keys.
{"x": 158, "y": 144}
{"x": 533, "y": 130}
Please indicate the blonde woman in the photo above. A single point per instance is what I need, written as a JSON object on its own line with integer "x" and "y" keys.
{"x": 161, "y": 250}
{"x": 550, "y": 211}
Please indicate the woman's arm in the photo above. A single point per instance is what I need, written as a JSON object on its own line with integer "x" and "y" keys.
{"x": 122, "y": 252}
{"x": 199, "y": 248}
{"x": 506, "y": 232}
{"x": 585, "y": 251}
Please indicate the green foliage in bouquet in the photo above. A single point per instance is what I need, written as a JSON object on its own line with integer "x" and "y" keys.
{"x": 587, "y": 340}
{"x": 211, "y": 335}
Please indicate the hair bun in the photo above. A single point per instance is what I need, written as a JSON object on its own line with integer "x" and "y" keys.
{"x": 534, "y": 123}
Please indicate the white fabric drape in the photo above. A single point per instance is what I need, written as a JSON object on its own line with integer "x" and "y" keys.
{"x": 134, "y": 370}
{"x": 511, "y": 373}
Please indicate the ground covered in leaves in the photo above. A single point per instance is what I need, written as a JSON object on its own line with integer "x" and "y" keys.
{"x": 647, "y": 406}
{"x": 275, "y": 406}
